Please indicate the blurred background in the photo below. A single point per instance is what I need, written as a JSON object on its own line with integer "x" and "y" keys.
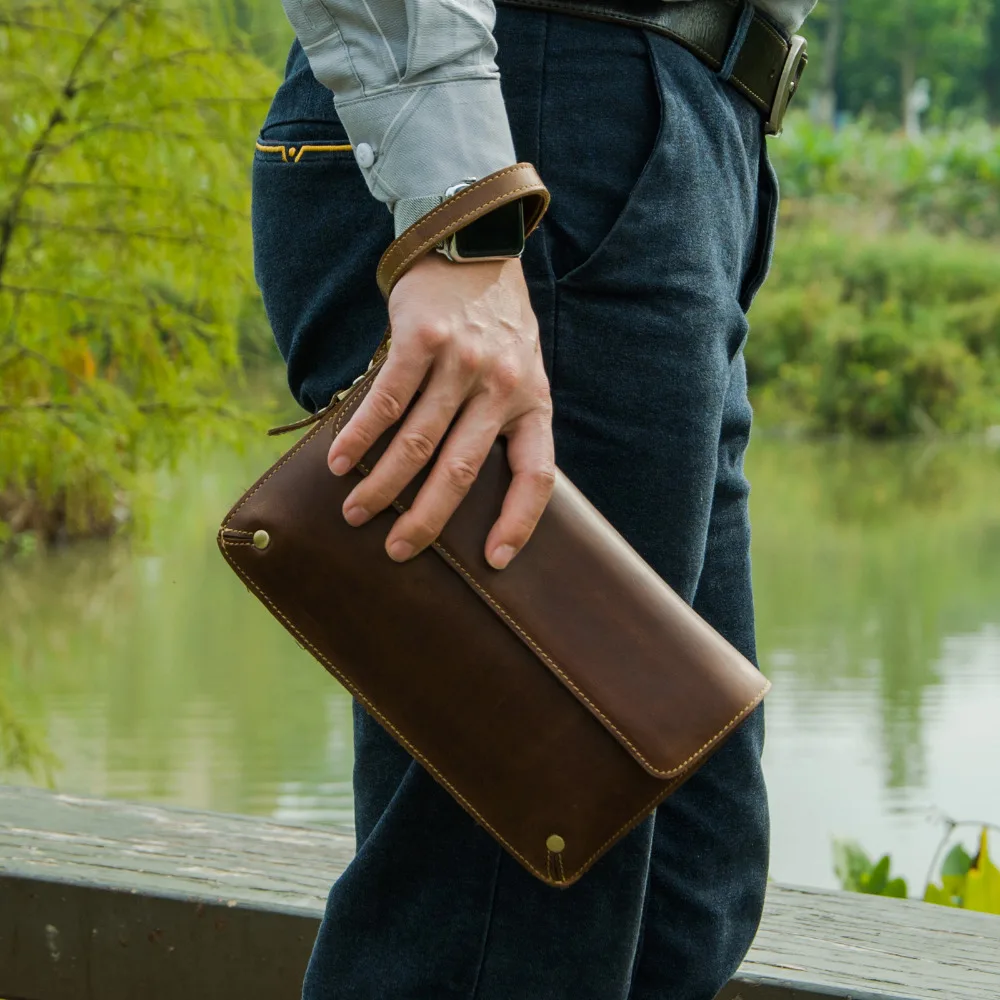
{"x": 137, "y": 373}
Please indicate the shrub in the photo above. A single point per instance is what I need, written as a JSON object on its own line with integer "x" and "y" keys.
{"x": 878, "y": 335}
{"x": 948, "y": 180}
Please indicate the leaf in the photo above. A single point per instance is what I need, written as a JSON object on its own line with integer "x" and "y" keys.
{"x": 896, "y": 888}
{"x": 956, "y": 862}
{"x": 954, "y": 886}
{"x": 851, "y": 864}
{"x": 879, "y": 877}
{"x": 935, "y": 894}
{"x": 982, "y": 891}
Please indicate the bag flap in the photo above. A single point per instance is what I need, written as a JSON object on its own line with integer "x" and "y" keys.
{"x": 659, "y": 679}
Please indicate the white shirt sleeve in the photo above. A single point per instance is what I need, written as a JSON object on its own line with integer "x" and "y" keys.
{"x": 417, "y": 89}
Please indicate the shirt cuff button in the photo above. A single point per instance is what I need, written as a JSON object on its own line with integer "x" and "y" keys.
{"x": 365, "y": 155}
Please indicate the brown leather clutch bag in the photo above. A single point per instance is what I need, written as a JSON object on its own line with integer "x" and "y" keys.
{"x": 558, "y": 700}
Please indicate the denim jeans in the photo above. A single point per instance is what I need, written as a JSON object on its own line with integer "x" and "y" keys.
{"x": 659, "y": 234}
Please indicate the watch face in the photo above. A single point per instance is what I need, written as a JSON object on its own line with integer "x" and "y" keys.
{"x": 499, "y": 234}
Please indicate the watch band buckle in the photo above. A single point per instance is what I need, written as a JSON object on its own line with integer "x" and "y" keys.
{"x": 788, "y": 84}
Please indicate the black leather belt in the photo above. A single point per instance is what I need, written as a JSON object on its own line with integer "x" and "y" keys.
{"x": 767, "y": 69}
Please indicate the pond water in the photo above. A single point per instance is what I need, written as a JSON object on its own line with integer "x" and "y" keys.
{"x": 155, "y": 676}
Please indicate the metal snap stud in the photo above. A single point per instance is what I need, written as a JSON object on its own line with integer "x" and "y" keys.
{"x": 556, "y": 844}
{"x": 261, "y": 538}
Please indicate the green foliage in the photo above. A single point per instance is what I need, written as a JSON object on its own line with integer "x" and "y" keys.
{"x": 124, "y": 248}
{"x": 969, "y": 883}
{"x": 857, "y": 872}
{"x": 259, "y": 24}
{"x": 965, "y": 882}
{"x": 880, "y": 335}
{"x": 882, "y": 313}
{"x": 883, "y": 47}
{"x": 948, "y": 180}
{"x": 20, "y": 748}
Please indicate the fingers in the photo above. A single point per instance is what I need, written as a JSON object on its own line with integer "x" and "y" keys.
{"x": 531, "y": 456}
{"x": 450, "y": 480}
{"x": 391, "y": 392}
{"x": 470, "y": 333}
{"x": 411, "y": 449}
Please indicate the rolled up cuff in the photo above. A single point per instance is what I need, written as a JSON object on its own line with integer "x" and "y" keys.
{"x": 412, "y": 143}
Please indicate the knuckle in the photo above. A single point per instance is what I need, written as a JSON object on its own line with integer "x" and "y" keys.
{"x": 431, "y": 336}
{"x": 460, "y": 473}
{"x": 543, "y": 479}
{"x": 505, "y": 378}
{"x": 416, "y": 446}
{"x": 385, "y": 404}
{"x": 469, "y": 358}
{"x": 358, "y": 439}
{"x": 543, "y": 399}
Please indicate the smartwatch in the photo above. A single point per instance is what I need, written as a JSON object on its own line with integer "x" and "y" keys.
{"x": 498, "y": 235}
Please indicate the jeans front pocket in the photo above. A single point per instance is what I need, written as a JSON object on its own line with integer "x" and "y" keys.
{"x": 317, "y": 237}
{"x": 767, "y": 224}
{"x": 596, "y": 140}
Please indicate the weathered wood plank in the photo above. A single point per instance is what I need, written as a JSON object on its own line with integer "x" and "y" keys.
{"x": 63, "y": 941}
{"x": 113, "y": 901}
{"x": 869, "y": 947}
{"x": 171, "y": 852}
{"x": 109, "y": 901}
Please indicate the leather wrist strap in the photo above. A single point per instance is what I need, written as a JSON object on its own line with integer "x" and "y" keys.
{"x": 519, "y": 182}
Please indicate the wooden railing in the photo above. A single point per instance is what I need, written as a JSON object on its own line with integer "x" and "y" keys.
{"x": 114, "y": 901}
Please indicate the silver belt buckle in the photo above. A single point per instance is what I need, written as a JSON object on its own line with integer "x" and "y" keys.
{"x": 791, "y": 74}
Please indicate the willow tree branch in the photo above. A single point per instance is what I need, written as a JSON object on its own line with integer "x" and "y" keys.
{"x": 59, "y": 293}
{"x": 57, "y": 116}
{"x": 9, "y": 22}
{"x": 142, "y": 189}
{"x": 136, "y": 234}
{"x": 111, "y": 126}
{"x": 144, "y": 66}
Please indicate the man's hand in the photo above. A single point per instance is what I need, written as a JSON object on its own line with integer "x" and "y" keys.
{"x": 466, "y": 333}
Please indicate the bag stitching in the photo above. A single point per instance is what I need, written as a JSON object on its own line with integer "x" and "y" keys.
{"x": 659, "y": 797}
{"x": 537, "y": 648}
{"x": 225, "y": 543}
{"x": 263, "y": 479}
{"x": 547, "y": 659}
{"x": 670, "y": 773}
{"x": 375, "y": 710}
{"x": 670, "y": 787}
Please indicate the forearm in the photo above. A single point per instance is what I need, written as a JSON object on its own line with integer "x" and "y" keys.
{"x": 414, "y": 82}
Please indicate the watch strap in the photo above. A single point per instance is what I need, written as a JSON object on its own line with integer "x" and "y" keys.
{"x": 520, "y": 181}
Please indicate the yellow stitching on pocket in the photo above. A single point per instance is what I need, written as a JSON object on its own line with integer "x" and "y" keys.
{"x": 322, "y": 149}
{"x": 273, "y": 149}
{"x": 297, "y": 151}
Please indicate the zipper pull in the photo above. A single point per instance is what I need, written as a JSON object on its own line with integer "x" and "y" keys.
{"x": 338, "y": 398}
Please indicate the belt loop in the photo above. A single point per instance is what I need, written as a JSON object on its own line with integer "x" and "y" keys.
{"x": 739, "y": 37}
